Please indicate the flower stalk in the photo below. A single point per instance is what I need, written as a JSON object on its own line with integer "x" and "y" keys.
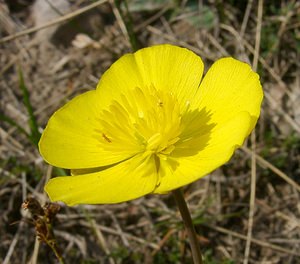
{"x": 187, "y": 220}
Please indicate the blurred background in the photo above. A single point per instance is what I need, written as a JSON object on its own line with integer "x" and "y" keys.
{"x": 51, "y": 51}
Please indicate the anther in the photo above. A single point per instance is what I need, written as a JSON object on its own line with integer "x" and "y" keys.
{"x": 106, "y": 138}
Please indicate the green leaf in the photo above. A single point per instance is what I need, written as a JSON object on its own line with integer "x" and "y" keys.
{"x": 203, "y": 18}
{"x": 8, "y": 120}
{"x": 34, "y": 132}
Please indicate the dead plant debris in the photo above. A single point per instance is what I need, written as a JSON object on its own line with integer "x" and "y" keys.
{"x": 69, "y": 57}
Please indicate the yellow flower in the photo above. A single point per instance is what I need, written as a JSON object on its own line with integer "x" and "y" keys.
{"x": 151, "y": 126}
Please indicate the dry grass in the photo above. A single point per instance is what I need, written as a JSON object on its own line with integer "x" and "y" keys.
{"x": 148, "y": 230}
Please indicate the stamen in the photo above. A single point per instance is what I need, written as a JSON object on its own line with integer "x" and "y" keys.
{"x": 151, "y": 123}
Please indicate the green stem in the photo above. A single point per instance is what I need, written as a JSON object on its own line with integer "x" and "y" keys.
{"x": 127, "y": 19}
{"x": 57, "y": 254}
{"x": 187, "y": 220}
{"x": 53, "y": 244}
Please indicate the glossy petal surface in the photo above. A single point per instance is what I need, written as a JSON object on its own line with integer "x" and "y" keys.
{"x": 125, "y": 181}
{"x": 193, "y": 160}
{"x": 74, "y": 138}
{"x": 228, "y": 88}
{"x": 165, "y": 67}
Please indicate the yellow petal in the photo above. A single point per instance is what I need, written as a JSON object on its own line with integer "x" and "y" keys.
{"x": 126, "y": 181}
{"x": 224, "y": 112}
{"x": 216, "y": 148}
{"x": 228, "y": 88}
{"x": 164, "y": 67}
{"x": 72, "y": 138}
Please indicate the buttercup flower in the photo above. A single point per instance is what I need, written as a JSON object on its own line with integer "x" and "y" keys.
{"x": 151, "y": 126}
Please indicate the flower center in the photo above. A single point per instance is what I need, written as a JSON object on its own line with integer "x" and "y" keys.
{"x": 144, "y": 120}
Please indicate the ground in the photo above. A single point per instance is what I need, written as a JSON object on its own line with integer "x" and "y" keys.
{"x": 43, "y": 69}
